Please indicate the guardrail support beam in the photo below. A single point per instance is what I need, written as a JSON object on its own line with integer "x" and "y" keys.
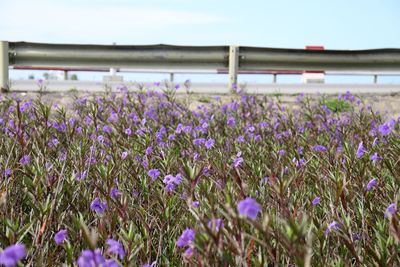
{"x": 233, "y": 66}
{"x": 4, "y": 62}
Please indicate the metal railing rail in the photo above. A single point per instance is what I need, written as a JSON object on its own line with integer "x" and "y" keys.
{"x": 235, "y": 59}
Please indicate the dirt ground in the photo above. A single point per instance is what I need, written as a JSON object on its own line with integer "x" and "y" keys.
{"x": 386, "y": 103}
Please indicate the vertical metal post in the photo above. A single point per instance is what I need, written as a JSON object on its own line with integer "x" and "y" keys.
{"x": 375, "y": 78}
{"x": 233, "y": 66}
{"x": 4, "y": 62}
{"x": 65, "y": 75}
{"x": 274, "y": 77}
{"x": 113, "y": 71}
{"x": 171, "y": 77}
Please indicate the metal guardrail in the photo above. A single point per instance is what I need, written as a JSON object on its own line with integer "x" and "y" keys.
{"x": 233, "y": 58}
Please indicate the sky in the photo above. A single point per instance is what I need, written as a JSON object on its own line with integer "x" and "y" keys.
{"x": 335, "y": 24}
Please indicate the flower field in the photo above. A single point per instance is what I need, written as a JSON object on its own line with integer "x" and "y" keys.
{"x": 141, "y": 179}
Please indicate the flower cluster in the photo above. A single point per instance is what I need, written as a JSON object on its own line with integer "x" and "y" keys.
{"x": 171, "y": 181}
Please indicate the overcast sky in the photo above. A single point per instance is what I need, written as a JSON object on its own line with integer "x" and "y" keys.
{"x": 336, "y": 24}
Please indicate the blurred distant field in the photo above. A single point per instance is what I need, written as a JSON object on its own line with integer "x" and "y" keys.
{"x": 385, "y": 103}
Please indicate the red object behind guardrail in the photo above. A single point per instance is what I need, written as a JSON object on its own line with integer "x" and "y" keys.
{"x": 314, "y": 47}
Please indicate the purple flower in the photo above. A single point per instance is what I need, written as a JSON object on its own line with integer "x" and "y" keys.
{"x": 384, "y": 129}
{"x": 299, "y": 163}
{"x": 230, "y": 121}
{"x": 237, "y": 162}
{"x": 195, "y": 204}
{"x": 98, "y": 206}
{"x": 179, "y": 128}
{"x": 281, "y": 152}
{"x": 113, "y": 118}
{"x": 7, "y": 172}
{"x": 371, "y": 183}
{"x": 186, "y": 238}
{"x": 171, "y": 181}
{"x": 60, "y": 236}
{"x": 170, "y": 187}
{"x": 333, "y": 226}
{"x": 53, "y": 142}
{"x": 24, "y": 106}
{"x": 107, "y": 129}
{"x": 320, "y": 148}
{"x": 11, "y": 255}
{"x": 390, "y": 210}
{"x": 188, "y": 252}
{"x": 250, "y": 128}
{"x": 360, "y": 150}
{"x": 316, "y": 201}
{"x": 168, "y": 179}
{"x": 80, "y": 176}
{"x": 128, "y": 131}
{"x": 178, "y": 179}
{"x": 209, "y": 143}
{"x": 100, "y": 138}
{"x": 387, "y": 127}
{"x": 90, "y": 258}
{"x": 153, "y": 173}
{"x": 63, "y": 155}
{"x": 240, "y": 139}
{"x": 375, "y": 157}
{"x": 199, "y": 141}
{"x": 249, "y": 207}
{"x": 124, "y": 155}
{"x": 215, "y": 224}
{"x": 115, "y": 247}
{"x": 300, "y": 150}
{"x": 115, "y": 193}
{"x": 25, "y": 160}
{"x": 348, "y": 96}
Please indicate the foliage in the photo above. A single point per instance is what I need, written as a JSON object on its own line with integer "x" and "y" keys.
{"x": 337, "y": 105}
{"x": 128, "y": 174}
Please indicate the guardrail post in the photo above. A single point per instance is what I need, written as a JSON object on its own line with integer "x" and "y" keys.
{"x": 4, "y": 62}
{"x": 171, "y": 77}
{"x": 233, "y": 66}
{"x": 113, "y": 71}
{"x": 274, "y": 78}
{"x": 375, "y": 78}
